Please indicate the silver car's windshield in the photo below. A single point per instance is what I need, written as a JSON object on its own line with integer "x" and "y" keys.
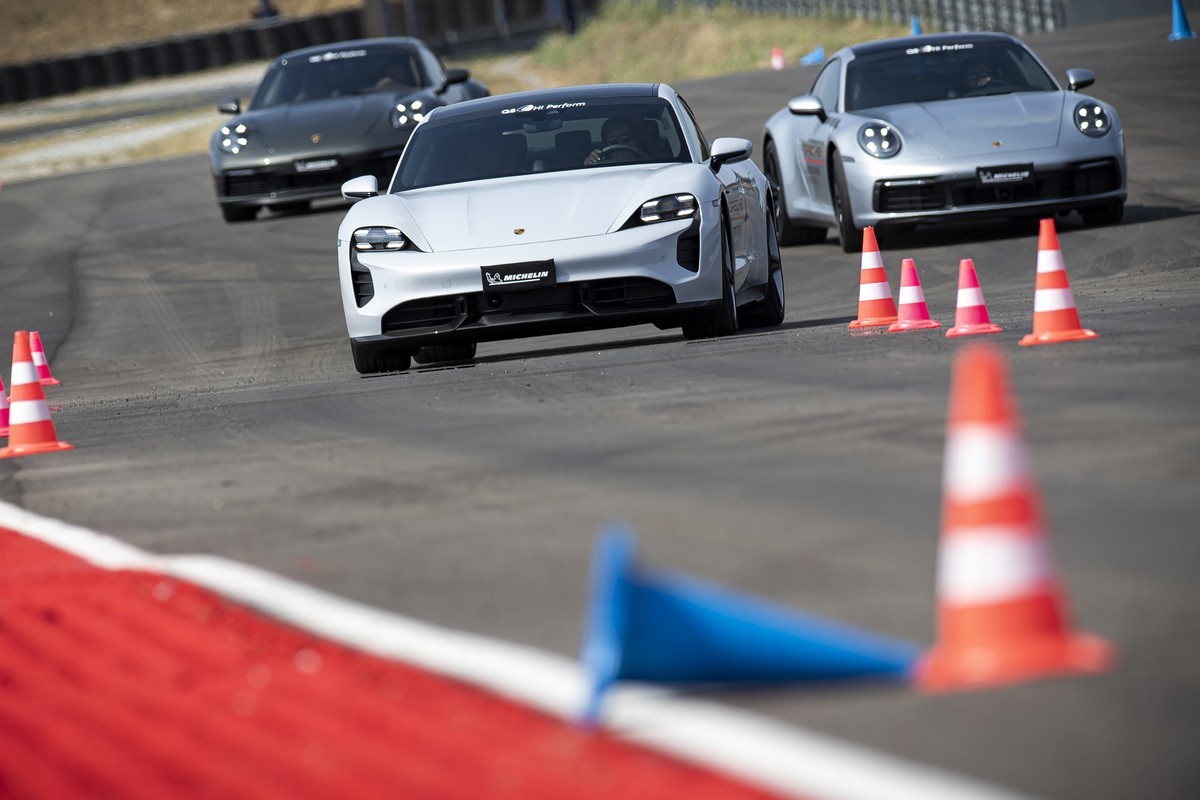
{"x": 541, "y": 137}
{"x": 338, "y": 73}
{"x": 924, "y": 74}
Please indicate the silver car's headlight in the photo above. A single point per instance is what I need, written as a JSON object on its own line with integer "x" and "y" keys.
{"x": 234, "y": 138}
{"x": 879, "y": 139}
{"x": 408, "y": 113}
{"x": 1091, "y": 119}
{"x": 672, "y": 206}
{"x": 379, "y": 238}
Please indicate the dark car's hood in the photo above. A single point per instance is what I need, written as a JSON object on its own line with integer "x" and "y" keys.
{"x": 340, "y": 122}
{"x": 967, "y": 126}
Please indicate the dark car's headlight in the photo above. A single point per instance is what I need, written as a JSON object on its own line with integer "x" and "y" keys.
{"x": 233, "y": 138}
{"x": 879, "y": 139}
{"x": 1091, "y": 119}
{"x": 408, "y": 113}
{"x": 379, "y": 238}
{"x": 671, "y": 206}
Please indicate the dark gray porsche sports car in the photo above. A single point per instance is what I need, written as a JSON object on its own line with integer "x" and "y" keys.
{"x": 324, "y": 114}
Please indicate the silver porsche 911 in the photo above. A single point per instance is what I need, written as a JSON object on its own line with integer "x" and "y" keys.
{"x": 941, "y": 127}
{"x": 324, "y": 114}
{"x": 551, "y": 211}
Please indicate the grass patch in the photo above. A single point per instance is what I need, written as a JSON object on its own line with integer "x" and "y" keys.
{"x": 632, "y": 41}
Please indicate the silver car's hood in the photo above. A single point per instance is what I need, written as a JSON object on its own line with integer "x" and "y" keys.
{"x": 969, "y": 126}
{"x": 560, "y": 205}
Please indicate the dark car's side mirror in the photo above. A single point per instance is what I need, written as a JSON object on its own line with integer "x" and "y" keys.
{"x": 807, "y": 105}
{"x": 454, "y": 75}
{"x": 1079, "y": 78}
{"x": 230, "y": 105}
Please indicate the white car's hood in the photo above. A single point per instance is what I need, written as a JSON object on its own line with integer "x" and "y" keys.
{"x": 969, "y": 126}
{"x": 564, "y": 205}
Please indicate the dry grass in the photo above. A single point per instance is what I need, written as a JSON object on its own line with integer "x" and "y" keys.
{"x": 37, "y": 29}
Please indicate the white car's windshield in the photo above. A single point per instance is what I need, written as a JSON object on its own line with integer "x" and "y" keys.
{"x": 924, "y": 74}
{"x": 338, "y": 73}
{"x": 545, "y": 137}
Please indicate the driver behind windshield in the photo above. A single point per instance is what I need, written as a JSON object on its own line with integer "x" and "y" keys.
{"x": 976, "y": 75}
{"x": 620, "y": 142}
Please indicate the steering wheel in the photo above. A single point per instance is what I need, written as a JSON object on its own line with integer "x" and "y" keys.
{"x": 612, "y": 148}
{"x": 989, "y": 88}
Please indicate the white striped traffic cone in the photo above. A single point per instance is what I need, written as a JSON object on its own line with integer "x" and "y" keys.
{"x": 1001, "y": 616}
{"x": 914, "y": 314}
{"x": 1055, "y": 318}
{"x": 3, "y": 409}
{"x": 971, "y": 314}
{"x": 39, "y": 360}
{"x": 30, "y": 429}
{"x": 875, "y": 305}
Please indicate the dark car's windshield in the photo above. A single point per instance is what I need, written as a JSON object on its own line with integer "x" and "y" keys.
{"x": 338, "y": 73}
{"x": 541, "y": 137}
{"x": 923, "y": 74}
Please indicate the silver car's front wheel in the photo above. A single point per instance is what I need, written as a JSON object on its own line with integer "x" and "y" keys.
{"x": 848, "y": 232}
{"x": 723, "y": 321}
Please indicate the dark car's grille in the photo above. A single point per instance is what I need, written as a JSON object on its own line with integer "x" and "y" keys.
{"x": 244, "y": 183}
{"x": 587, "y": 297}
{"x": 1074, "y": 180}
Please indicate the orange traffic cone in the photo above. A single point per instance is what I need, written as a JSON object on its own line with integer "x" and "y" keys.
{"x": 777, "y": 57}
{"x": 39, "y": 360}
{"x": 971, "y": 316}
{"x": 3, "y": 410}
{"x": 1055, "y": 318}
{"x": 875, "y": 305}
{"x": 914, "y": 314}
{"x": 1001, "y": 617}
{"x": 29, "y": 427}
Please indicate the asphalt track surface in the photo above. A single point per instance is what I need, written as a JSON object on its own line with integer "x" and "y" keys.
{"x": 208, "y": 389}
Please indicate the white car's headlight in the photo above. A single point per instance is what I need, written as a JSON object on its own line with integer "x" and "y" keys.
{"x": 408, "y": 113}
{"x": 379, "y": 238}
{"x": 234, "y": 138}
{"x": 879, "y": 139}
{"x": 1091, "y": 119}
{"x": 672, "y": 206}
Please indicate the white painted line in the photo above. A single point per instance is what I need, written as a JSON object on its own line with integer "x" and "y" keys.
{"x": 759, "y": 751}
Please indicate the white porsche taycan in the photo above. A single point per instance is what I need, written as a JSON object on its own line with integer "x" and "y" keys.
{"x": 552, "y": 211}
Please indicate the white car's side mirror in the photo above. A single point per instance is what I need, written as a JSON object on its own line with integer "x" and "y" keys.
{"x": 360, "y": 188}
{"x": 729, "y": 150}
{"x": 1079, "y": 78}
{"x": 806, "y": 105}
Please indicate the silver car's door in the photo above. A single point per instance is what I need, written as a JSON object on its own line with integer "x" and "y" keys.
{"x": 741, "y": 198}
{"x": 816, "y": 133}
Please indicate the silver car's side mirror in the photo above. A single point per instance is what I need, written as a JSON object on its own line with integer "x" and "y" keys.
{"x": 807, "y": 105}
{"x": 360, "y": 188}
{"x": 1079, "y": 78}
{"x": 729, "y": 150}
{"x": 230, "y": 105}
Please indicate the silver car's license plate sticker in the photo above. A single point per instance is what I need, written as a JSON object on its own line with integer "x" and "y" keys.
{"x": 1004, "y": 176}
{"x": 316, "y": 165}
{"x": 526, "y": 275}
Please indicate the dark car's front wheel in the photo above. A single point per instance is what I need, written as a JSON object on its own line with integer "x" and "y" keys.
{"x": 238, "y": 213}
{"x": 371, "y": 357}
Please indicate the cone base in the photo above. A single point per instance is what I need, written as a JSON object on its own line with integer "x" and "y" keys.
{"x": 1175, "y": 37}
{"x": 947, "y": 669}
{"x": 914, "y": 325}
{"x": 1052, "y": 337}
{"x": 50, "y": 382}
{"x": 871, "y": 322}
{"x": 974, "y": 329}
{"x": 31, "y": 449}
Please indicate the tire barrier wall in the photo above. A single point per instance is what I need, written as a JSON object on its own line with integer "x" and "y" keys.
{"x": 447, "y": 27}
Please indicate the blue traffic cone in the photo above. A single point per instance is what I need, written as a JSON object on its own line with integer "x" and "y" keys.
{"x": 1179, "y": 24}
{"x": 916, "y": 26}
{"x": 814, "y": 56}
{"x": 671, "y": 628}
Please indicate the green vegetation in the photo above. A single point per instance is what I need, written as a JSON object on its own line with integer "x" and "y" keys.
{"x": 636, "y": 40}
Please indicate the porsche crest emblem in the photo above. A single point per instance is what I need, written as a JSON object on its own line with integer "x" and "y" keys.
{"x": 316, "y": 137}
{"x": 996, "y": 143}
{"x": 518, "y": 231}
